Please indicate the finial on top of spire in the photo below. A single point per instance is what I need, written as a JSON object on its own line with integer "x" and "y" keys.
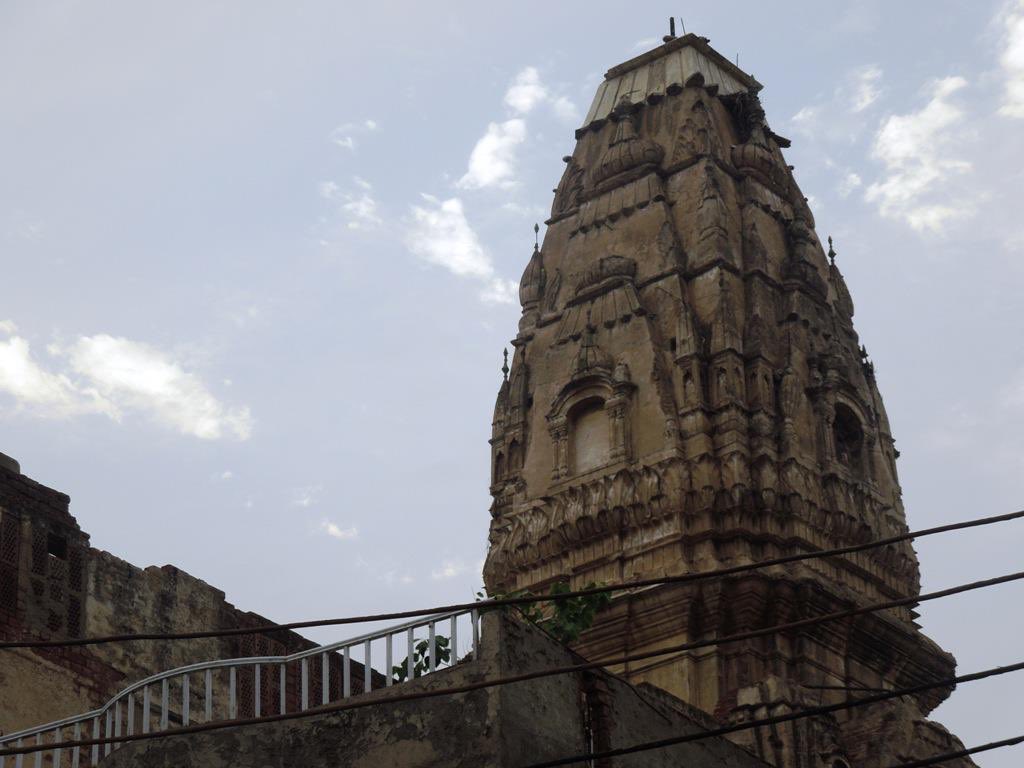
{"x": 671, "y": 30}
{"x": 831, "y": 252}
{"x": 504, "y": 366}
{"x": 536, "y": 237}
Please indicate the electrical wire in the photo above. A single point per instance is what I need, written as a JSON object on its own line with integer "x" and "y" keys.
{"x": 517, "y": 600}
{"x": 344, "y": 706}
{"x": 936, "y": 759}
{"x": 778, "y": 719}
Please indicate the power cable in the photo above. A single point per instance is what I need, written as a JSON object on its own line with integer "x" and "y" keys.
{"x": 936, "y": 759}
{"x": 518, "y": 600}
{"x": 778, "y": 719}
{"x": 568, "y": 669}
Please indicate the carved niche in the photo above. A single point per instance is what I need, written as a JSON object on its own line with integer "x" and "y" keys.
{"x": 590, "y": 419}
{"x": 697, "y": 136}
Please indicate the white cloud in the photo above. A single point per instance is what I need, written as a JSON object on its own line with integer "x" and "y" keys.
{"x": 449, "y": 569}
{"x": 500, "y": 291}
{"x": 306, "y": 496}
{"x": 52, "y": 395}
{"x": 358, "y": 209}
{"x": 805, "y": 121}
{"x": 109, "y": 376}
{"x": 8, "y": 327}
{"x": 565, "y": 110}
{"x": 526, "y": 91}
{"x": 440, "y": 234}
{"x": 849, "y": 183}
{"x": 645, "y": 43}
{"x": 865, "y": 89}
{"x": 362, "y": 212}
{"x": 336, "y": 531}
{"x": 492, "y": 162}
{"x": 136, "y": 376}
{"x": 917, "y": 150}
{"x": 328, "y": 189}
{"x": 1012, "y": 60}
{"x": 345, "y": 134}
{"x": 839, "y": 116}
{"x": 227, "y": 474}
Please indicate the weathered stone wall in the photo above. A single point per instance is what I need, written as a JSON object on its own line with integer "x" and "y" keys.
{"x": 512, "y": 725}
{"x": 53, "y": 585}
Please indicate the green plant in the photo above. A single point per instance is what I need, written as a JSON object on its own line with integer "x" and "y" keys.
{"x": 421, "y": 658}
{"x": 565, "y": 618}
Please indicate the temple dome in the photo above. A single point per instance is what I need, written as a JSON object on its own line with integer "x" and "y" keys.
{"x": 531, "y": 284}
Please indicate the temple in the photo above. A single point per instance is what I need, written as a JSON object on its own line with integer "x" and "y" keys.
{"x": 687, "y": 392}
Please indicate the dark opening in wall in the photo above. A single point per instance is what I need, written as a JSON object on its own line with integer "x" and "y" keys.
{"x": 57, "y": 546}
{"x": 849, "y": 437}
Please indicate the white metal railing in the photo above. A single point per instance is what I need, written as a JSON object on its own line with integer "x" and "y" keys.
{"x": 118, "y": 716}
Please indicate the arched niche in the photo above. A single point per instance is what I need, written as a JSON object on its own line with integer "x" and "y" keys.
{"x": 848, "y": 437}
{"x": 589, "y": 423}
{"x": 589, "y": 438}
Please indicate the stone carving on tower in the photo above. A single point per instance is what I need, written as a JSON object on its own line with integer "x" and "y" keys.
{"x": 687, "y": 392}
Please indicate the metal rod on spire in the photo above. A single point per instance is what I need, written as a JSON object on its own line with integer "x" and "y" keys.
{"x": 536, "y": 236}
{"x": 504, "y": 366}
{"x": 671, "y": 31}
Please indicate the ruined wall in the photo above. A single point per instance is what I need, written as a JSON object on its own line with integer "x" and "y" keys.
{"x": 53, "y": 585}
{"x": 510, "y": 726}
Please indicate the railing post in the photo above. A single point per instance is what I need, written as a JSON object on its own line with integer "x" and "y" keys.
{"x": 305, "y": 684}
{"x": 454, "y": 647}
{"x": 283, "y": 693}
{"x": 95, "y": 735}
{"x": 18, "y": 759}
{"x": 367, "y": 669}
{"x": 56, "y": 750}
{"x": 431, "y": 642}
{"x": 346, "y": 673}
{"x": 257, "y": 704}
{"x": 130, "y": 715}
{"x": 232, "y": 695}
{"x": 410, "y": 666}
{"x": 76, "y": 751}
{"x": 39, "y": 752}
{"x": 106, "y": 733}
{"x": 186, "y": 713}
{"x": 208, "y": 695}
{"x": 475, "y": 616}
{"x": 325, "y": 678}
{"x": 145, "y": 709}
{"x": 165, "y": 703}
{"x": 388, "y": 662}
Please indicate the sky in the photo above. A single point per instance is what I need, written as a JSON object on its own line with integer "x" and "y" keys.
{"x": 260, "y": 263}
